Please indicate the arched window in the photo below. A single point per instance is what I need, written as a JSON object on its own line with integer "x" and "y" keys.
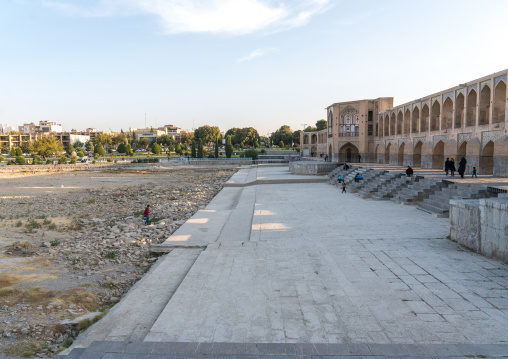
{"x": 349, "y": 125}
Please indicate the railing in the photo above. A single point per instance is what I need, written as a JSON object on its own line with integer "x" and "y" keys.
{"x": 185, "y": 159}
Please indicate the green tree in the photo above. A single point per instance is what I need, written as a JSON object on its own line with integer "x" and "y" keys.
{"x": 19, "y": 151}
{"x": 78, "y": 144}
{"x": 119, "y": 139}
{"x": 156, "y": 148}
{"x": 12, "y": 152}
{"x": 251, "y": 153}
{"x": 27, "y": 147}
{"x": 296, "y": 137}
{"x": 217, "y": 149}
{"x": 242, "y": 145}
{"x": 99, "y": 150}
{"x": 48, "y": 145}
{"x": 178, "y": 148}
{"x": 229, "y": 147}
{"x": 20, "y": 160}
{"x": 89, "y": 146}
{"x": 256, "y": 144}
{"x": 144, "y": 142}
{"x": 122, "y": 148}
{"x": 128, "y": 150}
{"x": 70, "y": 148}
{"x": 103, "y": 139}
{"x": 321, "y": 125}
{"x": 207, "y": 134}
{"x": 200, "y": 148}
{"x": 247, "y": 135}
{"x": 193, "y": 149}
{"x": 170, "y": 147}
{"x": 281, "y": 144}
{"x": 80, "y": 154}
{"x": 186, "y": 137}
{"x": 310, "y": 129}
{"x": 283, "y": 134}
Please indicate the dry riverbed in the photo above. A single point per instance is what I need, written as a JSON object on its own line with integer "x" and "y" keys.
{"x": 71, "y": 244}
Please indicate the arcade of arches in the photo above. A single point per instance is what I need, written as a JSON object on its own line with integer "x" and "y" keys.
{"x": 469, "y": 120}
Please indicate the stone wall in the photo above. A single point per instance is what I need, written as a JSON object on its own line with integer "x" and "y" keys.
{"x": 56, "y": 168}
{"x": 465, "y": 222}
{"x": 311, "y": 167}
{"x": 481, "y": 225}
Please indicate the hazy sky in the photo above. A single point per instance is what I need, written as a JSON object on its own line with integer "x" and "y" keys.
{"x": 234, "y": 63}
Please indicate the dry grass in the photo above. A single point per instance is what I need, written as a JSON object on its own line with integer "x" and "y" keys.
{"x": 42, "y": 296}
{"x": 81, "y": 297}
{"x": 8, "y": 279}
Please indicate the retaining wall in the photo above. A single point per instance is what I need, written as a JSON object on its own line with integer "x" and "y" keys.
{"x": 481, "y": 225}
{"x": 311, "y": 167}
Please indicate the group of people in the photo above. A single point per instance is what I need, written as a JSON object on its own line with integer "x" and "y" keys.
{"x": 449, "y": 166}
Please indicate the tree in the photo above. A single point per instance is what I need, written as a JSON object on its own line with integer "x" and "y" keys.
{"x": 103, "y": 139}
{"x": 156, "y": 148}
{"x": 19, "y": 151}
{"x": 256, "y": 144}
{"x": 281, "y": 144}
{"x": 193, "y": 149}
{"x": 296, "y": 137}
{"x": 170, "y": 147}
{"x": 186, "y": 137}
{"x": 165, "y": 140}
{"x": 122, "y": 148}
{"x": 207, "y": 134}
{"x": 200, "y": 148}
{"x": 20, "y": 160}
{"x": 80, "y": 154}
{"x": 310, "y": 129}
{"x": 252, "y": 153}
{"x": 99, "y": 150}
{"x": 144, "y": 142}
{"x": 229, "y": 147}
{"x": 178, "y": 148}
{"x": 48, "y": 145}
{"x": 70, "y": 148}
{"x": 78, "y": 144}
{"x": 89, "y": 146}
{"x": 247, "y": 135}
{"x": 283, "y": 134}
{"x": 321, "y": 125}
{"x": 119, "y": 139}
{"x": 242, "y": 145}
{"x": 12, "y": 152}
{"x": 217, "y": 149}
{"x": 128, "y": 150}
{"x": 27, "y": 147}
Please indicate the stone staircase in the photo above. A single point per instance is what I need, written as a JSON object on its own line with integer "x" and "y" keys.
{"x": 369, "y": 176}
{"x": 380, "y": 183}
{"x": 438, "y": 204}
{"x": 391, "y": 189}
{"x": 418, "y": 190}
{"x": 334, "y": 175}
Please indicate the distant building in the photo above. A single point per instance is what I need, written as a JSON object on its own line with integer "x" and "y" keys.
{"x": 6, "y": 128}
{"x": 43, "y": 126}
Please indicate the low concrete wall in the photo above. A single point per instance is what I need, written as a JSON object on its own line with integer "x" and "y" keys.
{"x": 465, "y": 222}
{"x": 494, "y": 228}
{"x": 481, "y": 225}
{"x": 55, "y": 168}
{"x": 311, "y": 167}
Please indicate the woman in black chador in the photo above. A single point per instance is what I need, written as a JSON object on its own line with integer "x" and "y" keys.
{"x": 462, "y": 167}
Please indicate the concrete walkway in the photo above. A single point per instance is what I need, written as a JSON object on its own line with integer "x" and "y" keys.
{"x": 302, "y": 263}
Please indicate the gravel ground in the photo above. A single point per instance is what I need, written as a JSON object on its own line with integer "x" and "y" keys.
{"x": 71, "y": 244}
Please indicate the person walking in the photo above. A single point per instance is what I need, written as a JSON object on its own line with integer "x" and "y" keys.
{"x": 473, "y": 173}
{"x": 447, "y": 165}
{"x": 452, "y": 167}
{"x": 359, "y": 158}
{"x": 344, "y": 187}
{"x": 147, "y": 214}
{"x": 409, "y": 171}
{"x": 462, "y": 167}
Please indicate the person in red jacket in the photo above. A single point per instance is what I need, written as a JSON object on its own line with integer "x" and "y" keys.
{"x": 147, "y": 214}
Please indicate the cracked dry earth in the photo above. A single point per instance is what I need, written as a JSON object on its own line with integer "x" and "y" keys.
{"x": 71, "y": 244}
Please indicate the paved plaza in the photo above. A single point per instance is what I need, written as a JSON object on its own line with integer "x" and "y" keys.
{"x": 303, "y": 263}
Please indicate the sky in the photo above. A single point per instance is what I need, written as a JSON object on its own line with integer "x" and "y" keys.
{"x": 109, "y": 64}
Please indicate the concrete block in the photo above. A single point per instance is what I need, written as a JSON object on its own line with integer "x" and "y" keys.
{"x": 465, "y": 223}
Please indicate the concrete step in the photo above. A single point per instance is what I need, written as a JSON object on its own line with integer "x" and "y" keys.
{"x": 434, "y": 210}
{"x": 160, "y": 350}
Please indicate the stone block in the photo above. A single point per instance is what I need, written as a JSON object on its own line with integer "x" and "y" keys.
{"x": 494, "y": 227}
{"x": 465, "y": 225}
